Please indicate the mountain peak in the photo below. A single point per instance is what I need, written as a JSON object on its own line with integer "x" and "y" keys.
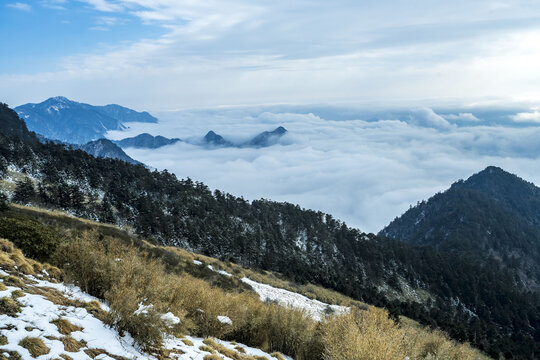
{"x": 280, "y": 130}
{"x": 59, "y": 118}
{"x": 60, "y": 99}
{"x": 211, "y": 138}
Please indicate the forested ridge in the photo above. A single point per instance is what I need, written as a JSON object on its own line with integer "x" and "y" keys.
{"x": 477, "y": 301}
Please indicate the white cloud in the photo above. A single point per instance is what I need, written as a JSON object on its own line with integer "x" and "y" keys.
{"x": 468, "y": 117}
{"x": 363, "y": 172}
{"x": 428, "y": 118}
{"x": 527, "y": 117}
{"x": 20, "y": 6}
{"x": 104, "y": 5}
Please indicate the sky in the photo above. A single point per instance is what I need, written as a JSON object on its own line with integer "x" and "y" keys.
{"x": 172, "y": 54}
{"x": 386, "y": 102}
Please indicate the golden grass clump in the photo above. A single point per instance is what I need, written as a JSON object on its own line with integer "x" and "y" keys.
{"x": 9, "y": 306}
{"x": 3, "y": 340}
{"x": 187, "y": 342}
{"x": 17, "y": 294}
{"x": 6, "y": 246}
{"x": 35, "y": 346}
{"x": 2, "y": 286}
{"x": 65, "y": 327}
{"x": 206, "y": 348}
{"x": 363, "y": 335}
{"x": 277, "y": 356}
{"x": 372, "y": 335}
{"x": 212, "y": 357}
{"x": 72, "y": 345}
{"x": 14, "y": 281}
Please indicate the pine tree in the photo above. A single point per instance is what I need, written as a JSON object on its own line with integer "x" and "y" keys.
{"x": 24, "y": 191}
{"x": 3, "y": 202}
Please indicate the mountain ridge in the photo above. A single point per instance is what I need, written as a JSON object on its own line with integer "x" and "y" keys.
{"x": 59, "y": 118}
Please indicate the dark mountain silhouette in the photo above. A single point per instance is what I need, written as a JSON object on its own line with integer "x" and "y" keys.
{"x": 493, "y": 213}
{"x": 146, "y": 141}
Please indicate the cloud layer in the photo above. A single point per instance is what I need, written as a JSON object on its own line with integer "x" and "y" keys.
{"x": 363, "y": 172}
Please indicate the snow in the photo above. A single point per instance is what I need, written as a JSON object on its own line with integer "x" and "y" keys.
{"x": 35, "y": 318}
{"x": 37, "y": 312}
{"x": 197, "y": 262}
{"x": 170, "y": 318}
{"x": 222, "y": 272}
{"x": 224, "y": 320}
{"x": 143, "y": 309}
{"x": 70, "y": 291}
{"x": 314, "y": 308}
{"x": 194, "y": 353}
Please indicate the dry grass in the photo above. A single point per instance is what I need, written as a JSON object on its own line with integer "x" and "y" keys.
{"x": 127, "y": 277}
{"x": 212, "y": 357}
{"x": 206, "y": 348}
{"x": 35, "y": 346}
{"x": 371, "y": 335}
{"x": 277, "y": 356}
{"x": 17, "y": 294}
{"x": 65, "y": 327}
{"x": 9, "y": 307}
{"x": 187, "y": 342}
{"x": 14, "y": 281}
{"x": 14, "y": 260}
{"x": 9, "y": 355}
{"x": 72, "y": 345}
{"x": 2, "y": 286}
{"x": 3, "y": 340}
{"x": 267, "y": 277}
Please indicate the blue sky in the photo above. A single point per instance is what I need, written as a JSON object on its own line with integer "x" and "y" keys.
{"x": 169, "y": 54}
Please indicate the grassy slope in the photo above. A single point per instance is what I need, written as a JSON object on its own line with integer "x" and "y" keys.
{"x": 178, "y": 262}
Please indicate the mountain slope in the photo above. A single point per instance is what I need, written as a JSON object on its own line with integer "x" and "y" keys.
{"x": 104, "y": 148}
{"x": 146, "y": 141}
{"x": 491, "y": 213}
{"x": 69, "y": 121}
{"x": 475, "y": 301}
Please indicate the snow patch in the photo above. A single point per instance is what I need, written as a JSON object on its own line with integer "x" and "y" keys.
{"x": 314, "y": 308}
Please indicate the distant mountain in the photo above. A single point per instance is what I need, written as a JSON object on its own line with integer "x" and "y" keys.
{"x": 213, "y": 139}
{"x": 264, "y": 139}
{"x": 267, "y": 138}
{"x": 493, "y": 213}
{"x": 103, "y": 148}
{"x": 59, "y": 118}
{"x": 146, "y": 141}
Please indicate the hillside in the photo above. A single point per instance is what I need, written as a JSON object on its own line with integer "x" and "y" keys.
{"x": 59, "y": 319}
{"x": 72, "y": 122}
{"x": 104, "y": 148}
{"x": 492, "y": 213}
{"x": 473, "y": 301}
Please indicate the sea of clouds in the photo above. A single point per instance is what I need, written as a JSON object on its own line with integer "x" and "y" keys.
{"x": 363, "y": 167}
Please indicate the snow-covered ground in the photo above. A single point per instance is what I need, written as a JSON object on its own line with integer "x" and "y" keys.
{"x": 316, "y": 309}
{"x": 37, "y": 314}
